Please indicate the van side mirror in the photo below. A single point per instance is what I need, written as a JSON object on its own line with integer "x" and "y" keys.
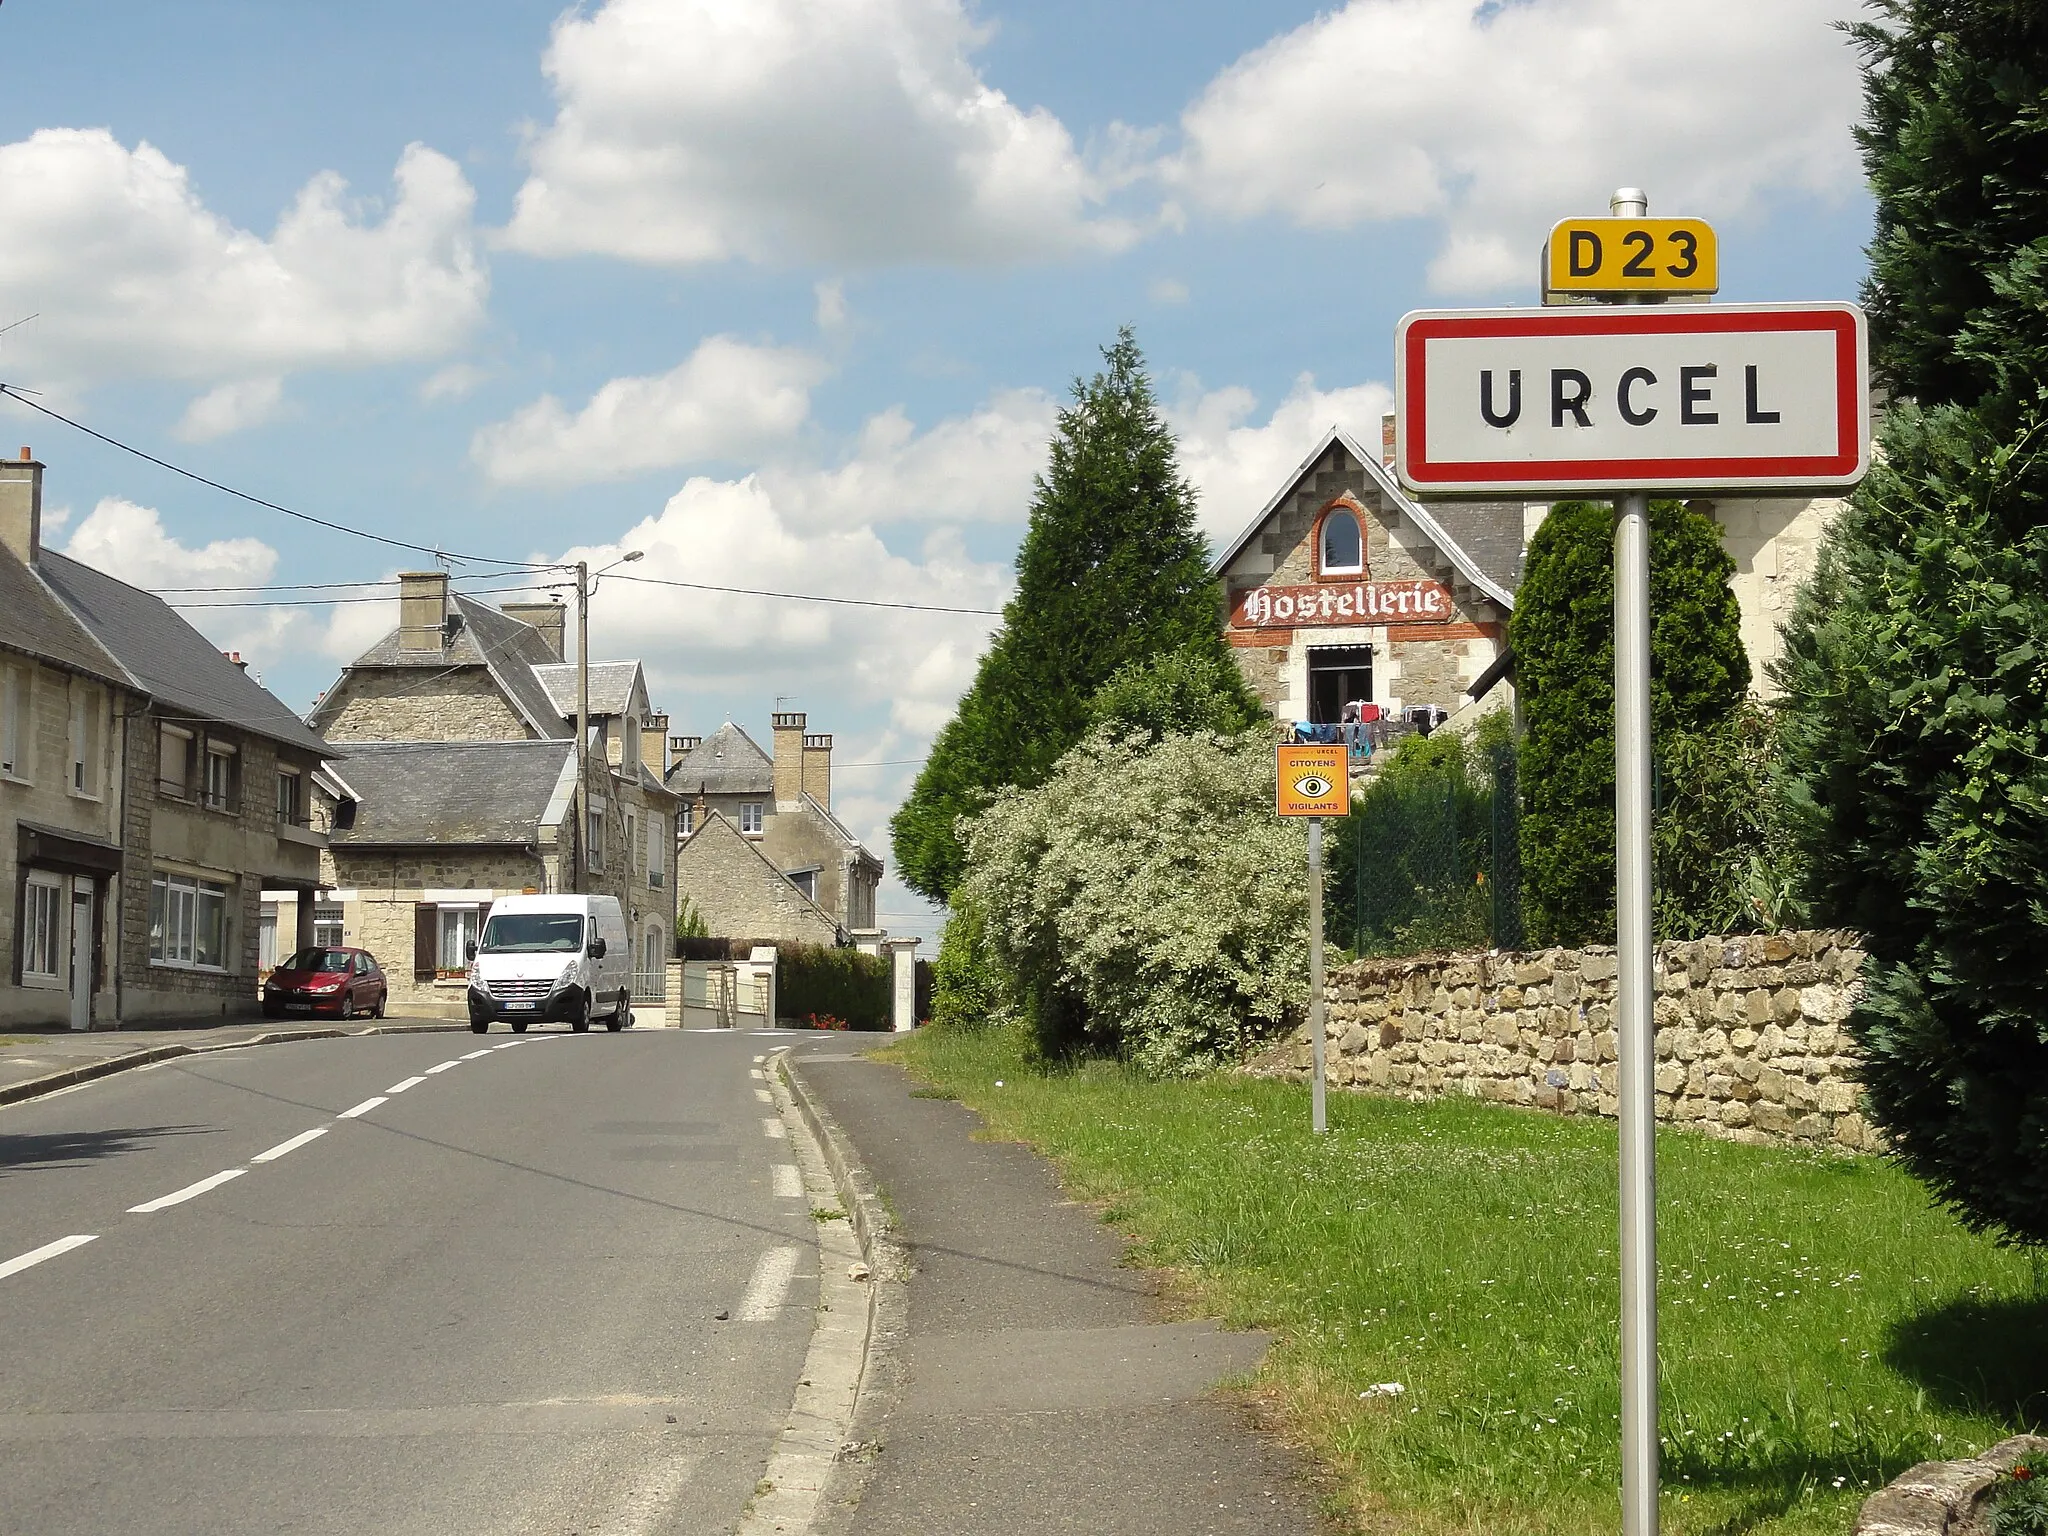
{"x": 469, "y": 950}
{"x": 597, "y": 949}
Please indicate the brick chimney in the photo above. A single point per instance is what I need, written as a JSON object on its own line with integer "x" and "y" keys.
{"x": 654, "y": 744}
{"x": 545, "y": 617}
{"x": 789, "y": 748}
{"x": 817, "y": 775}
{"x": 422, "y": 611}
{"x": 21, "y": 507}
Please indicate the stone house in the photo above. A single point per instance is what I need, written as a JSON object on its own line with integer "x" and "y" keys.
{"x": 1343, "y": 589}
{"x": 733, "y": 884}
{"x": 782, "y": 805}
{"x": 157, "y": 791}
{"x": 467, "y": 714}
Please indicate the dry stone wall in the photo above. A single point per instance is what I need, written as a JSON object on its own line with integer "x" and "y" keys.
{"x": 1750, "y": 1037}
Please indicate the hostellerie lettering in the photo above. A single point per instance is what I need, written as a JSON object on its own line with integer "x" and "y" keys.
{"x": 1360, "y": 602}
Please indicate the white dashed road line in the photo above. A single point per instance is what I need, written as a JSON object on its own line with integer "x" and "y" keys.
{"x": 189, "y": 1192}
{"x": 775, "y": 1130}
{"x": 764, "y": 1095}
{"x": 293, "y": 1145}
{"x": 35, "y": 1256}
{"x": 443, "y": 1066}
{"x": 361, "y": 1109}
{"x": 410, "y": 1082}
{"x": 472, "y": 1056}
{"x": 789, "y": 1183}
{"x": 770, "y": 1285}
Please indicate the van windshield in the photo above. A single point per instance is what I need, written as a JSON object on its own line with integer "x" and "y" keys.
{"x": 532, "y": 933}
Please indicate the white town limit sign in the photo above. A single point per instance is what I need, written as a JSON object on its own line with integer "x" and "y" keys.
{"x": 1681, "y": 398}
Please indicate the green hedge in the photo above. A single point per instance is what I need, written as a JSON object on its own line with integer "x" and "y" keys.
{"x": 840, "y": 983}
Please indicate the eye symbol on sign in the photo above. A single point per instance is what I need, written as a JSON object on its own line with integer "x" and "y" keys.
{"x": 1312, "y": 786}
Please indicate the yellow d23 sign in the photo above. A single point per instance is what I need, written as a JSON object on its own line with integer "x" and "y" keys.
{"x": 1314, "y": 782}
{"x": 1625, "y": 255}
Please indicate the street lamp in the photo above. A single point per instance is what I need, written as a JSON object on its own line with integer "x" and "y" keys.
{"x": 585, "y": 580}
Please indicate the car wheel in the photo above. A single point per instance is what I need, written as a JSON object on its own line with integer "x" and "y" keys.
{"x": 479, "y": 1026}
{"x": 348, "y": 1005}
{"x": 383, "y": 1002}
{"x": 519, "y": 1026}
{"x": 579, "y": 1021}
{"x": 621, "y": 1016}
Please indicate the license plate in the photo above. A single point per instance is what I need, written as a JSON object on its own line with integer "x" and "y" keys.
{"x": 298, "y": 1007}
{"x": 519, "y": 1007}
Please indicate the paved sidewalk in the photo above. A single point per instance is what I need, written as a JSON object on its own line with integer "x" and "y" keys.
{"x": 27, "y": 1057}
{"x": 1039, "y": 1391}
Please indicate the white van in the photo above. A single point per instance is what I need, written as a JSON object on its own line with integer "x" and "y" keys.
{"x": 552, "y": 957}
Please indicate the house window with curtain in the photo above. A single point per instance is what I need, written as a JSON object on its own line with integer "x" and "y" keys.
{"x": 1343, "y": 546}
{"x": 188, "y": 922}
{"x": 459, "y": 928}
{"x": 42, "y": 930}
{"x": 220, "y": 786}
{"x": 750, "y": 817}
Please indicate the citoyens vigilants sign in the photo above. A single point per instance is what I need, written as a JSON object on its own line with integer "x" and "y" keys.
{"x": 1358, "y": 602}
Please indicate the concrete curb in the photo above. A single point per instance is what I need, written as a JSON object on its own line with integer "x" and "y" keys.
{"x": 825, "y": 1456}
{"x": 71, "y": 1077}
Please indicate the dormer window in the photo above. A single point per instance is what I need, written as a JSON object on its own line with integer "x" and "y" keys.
{"x": 1343, "y": 546}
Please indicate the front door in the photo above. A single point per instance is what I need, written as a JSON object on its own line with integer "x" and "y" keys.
{"x": 81, "y": 959}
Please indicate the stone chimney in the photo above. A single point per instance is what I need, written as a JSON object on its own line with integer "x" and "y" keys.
{"x": 789, "y": 748}
{"x": 683, "y": 746}
{"x": 545, "y": 617}
{"x": 423, "y": 611}
{"x": 817, "y": 775}
{"x": 1387, "y": 440}
{"x": 654, "y": 744}
{"x": 21, "y": 507}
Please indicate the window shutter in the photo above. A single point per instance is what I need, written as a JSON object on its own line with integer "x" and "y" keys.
{"x": 426, "y": 940}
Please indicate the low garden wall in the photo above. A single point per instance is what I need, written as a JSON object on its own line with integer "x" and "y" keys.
{"x": 1750, "y": 1043}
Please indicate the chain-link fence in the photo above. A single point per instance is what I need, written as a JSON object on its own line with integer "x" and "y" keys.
{"x": 1431, "y": 862}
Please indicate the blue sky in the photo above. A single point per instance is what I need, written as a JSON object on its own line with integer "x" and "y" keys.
{"x": 784, "y": 291}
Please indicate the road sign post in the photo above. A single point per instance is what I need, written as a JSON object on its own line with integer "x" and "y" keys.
{"x": 1620, "y": 402}
{"x": 1315, "y": 781}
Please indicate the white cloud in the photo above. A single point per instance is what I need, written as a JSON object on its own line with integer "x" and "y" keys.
{"x": 1500, "y": 119}
{"x": 737, "y": 533}
{"x": 726, "y": 400}
{"x": 831, "y": 311}
{"x": 131, "y": 274}
{"x": 1167, "y": 290}
{"x": 839, "y": 130}
{"x": 967, "y": 469}
{"x": 1236, "y": 466}
{"x": 230, "y": 408}
{"x": 455, "y": 382}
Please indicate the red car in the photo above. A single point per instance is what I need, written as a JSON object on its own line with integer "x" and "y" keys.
{"x": 344, "y": 982}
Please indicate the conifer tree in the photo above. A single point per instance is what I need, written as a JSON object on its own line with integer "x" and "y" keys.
{"x": 1916, "y": 664}
{"x": 1112, "y": 571}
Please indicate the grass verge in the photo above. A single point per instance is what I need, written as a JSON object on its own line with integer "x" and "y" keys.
{"x": 1822, "y": 1326}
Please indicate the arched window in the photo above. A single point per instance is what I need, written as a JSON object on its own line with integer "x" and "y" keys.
{"x": 1343, "y": 552}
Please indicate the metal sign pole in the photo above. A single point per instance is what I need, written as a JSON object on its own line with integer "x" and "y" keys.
{"x": 1315, "y": 967}
{"x": 1636, "y": 1041}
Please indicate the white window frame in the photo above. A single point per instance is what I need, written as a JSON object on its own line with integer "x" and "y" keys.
{"x": 593, "y": 831}
{"x": 83, "y": 780}
{"x": 1323, "y": 568}
{"x": 686, "y": 821}
{"x": 453, "y": 936}
{"x": 295, "y": 815}
{"x": 751, "y": 819}
{"x": 45, "y": 913}
{"x": 180, "y": 788}
{"x": 227, "y": 801}
{"x": 178, "y": 908}
{"x": 266, "y": 938}
{"x": 322, "y": 922}
{"x": 17, "y": 722}
{"x": 657, "y": 841}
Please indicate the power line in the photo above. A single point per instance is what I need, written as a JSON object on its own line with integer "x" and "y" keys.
{"x": 894, "y": 762}
{"x": 305, "y": 517}
{"x": 321, "y": 602}
{"x": 801, "y": 597}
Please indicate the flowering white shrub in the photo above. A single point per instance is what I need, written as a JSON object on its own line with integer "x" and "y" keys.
{"x": 1147, "y": 900}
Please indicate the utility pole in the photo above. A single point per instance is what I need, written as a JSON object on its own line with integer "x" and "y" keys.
{"x": 582, "y": 722}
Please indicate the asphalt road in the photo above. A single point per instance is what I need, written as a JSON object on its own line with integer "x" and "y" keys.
{"x": 484, "y": 1304}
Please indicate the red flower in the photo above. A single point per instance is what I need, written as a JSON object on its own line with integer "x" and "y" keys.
{"x": 2022, "y": 1472}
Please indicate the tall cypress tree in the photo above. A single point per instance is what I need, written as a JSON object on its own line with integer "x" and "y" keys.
{"x": 1916, "y": 665}
{"x": 1111, "y": 571}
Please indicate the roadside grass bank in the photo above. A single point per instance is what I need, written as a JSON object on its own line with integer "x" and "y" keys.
{"x": 1822, "y": 1327}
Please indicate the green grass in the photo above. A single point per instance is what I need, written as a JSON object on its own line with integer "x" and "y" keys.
{"x": 1823, "y": 1327}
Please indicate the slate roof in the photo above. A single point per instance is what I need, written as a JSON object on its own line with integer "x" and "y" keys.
{"x": 611, "y": 686}
{"x": 727, "y": 762}
{"x": 1497, "y": 574}
{"x": 32, "y": 620}
{"x": 509, "y": 648}
{"x": 478, "y": 793}
{"x": 167, "y": 658}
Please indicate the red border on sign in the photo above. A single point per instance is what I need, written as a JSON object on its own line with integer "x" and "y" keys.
{"x": 1842, "y": 464}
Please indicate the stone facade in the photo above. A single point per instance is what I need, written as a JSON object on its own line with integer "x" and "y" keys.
{"x": 393, "y": 704}
{"x": 1418, "y": 658}
{"x": 1774, "y": 543}
{"x": 380, "y": 890}
{"x": 1750, "y": 1043}
{"x": 741, "y": 894}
